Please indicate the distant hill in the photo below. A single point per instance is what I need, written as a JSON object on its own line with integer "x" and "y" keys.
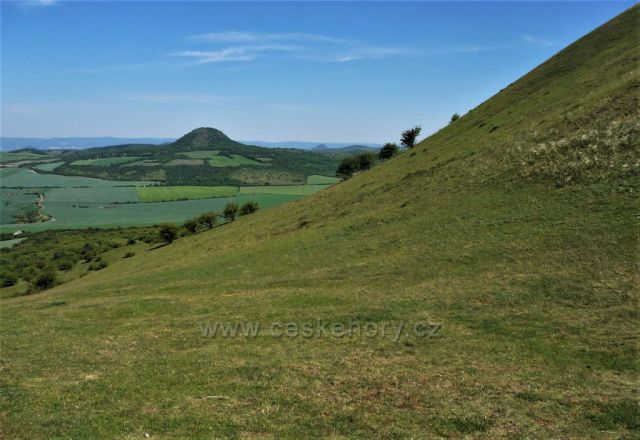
{"x": 13, "y": 143}
{"x": 348, "y": 149}
{"x": 204, "y": 156}
{"x": 305, "y": 145}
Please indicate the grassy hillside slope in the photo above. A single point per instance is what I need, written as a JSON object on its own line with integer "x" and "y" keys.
{"x": 514, "y": 227}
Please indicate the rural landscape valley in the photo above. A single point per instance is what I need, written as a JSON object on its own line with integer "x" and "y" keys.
{"x": 471, "y": 279}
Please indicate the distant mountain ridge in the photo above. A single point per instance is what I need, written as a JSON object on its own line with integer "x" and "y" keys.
{"x": 322, "y": 148}
{"x": 78, "y": 143}
{"x": 72, "y": 143}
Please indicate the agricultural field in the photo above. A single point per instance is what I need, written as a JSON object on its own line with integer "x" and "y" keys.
{"x": 205, "y": 154}
{"x": 79, "y": 202}
{"x": 15, "y": 202}
{"x": 322, "y": 180}
{"x": 234, "y": 160}
{"x": 292, "y": 190}
{"x": 170, "y": 193}
{"x": 69, "y": 215}
{"x": 105, "y": 162}
{"x": 25, "y": 178}
{"x": 47, "y": 166}
{"x": 105, "y": 194}
{"x": 16, "y": 156}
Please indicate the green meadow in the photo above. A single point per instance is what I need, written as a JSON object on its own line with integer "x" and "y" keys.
{"x": 105, "y": 162}
{"x": 170, "y": 193}
{"x": 14, "y": 202}
{"x": 15, "y": 156}
{"x": 234, "y": 160}
{"x": 26, "y": 178}
{"x": 47, "y": 166}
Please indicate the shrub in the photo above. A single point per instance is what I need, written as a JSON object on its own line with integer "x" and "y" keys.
{"x": 408, "y": 137}
{"x": 208, "y": 219}
{"x": 365, "y": 161}
{"x": 351, "y": 164}
{"x": 45, "y": 280}
{"x": 191, "y": 225}
{"x": 347, "y": 167}
{"x": 65, "y": 264}
{"x": 455, "y": 117}
{"x": 131, "y": 241}
{"x": 98, "y": 265}
{"x": 7, "y": 280}
{"x": 168, "y": 232}
{"x": 388, "y": 151}
{"x": 230, "y": 211}
{"x": 249, "y": 208}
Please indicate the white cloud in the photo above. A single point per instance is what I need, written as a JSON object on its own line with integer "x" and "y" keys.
{"x": 28, "y": 4}
{"x": 256, "y": 37}
{"x": 240, "y": 53}
{"x": 535, "y": 40}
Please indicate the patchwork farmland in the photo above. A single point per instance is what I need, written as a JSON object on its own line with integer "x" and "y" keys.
{"x": 71, "y": 202}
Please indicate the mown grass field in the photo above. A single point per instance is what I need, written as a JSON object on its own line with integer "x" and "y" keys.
{"x": 529, "y": 265}
{"x": 169, "y": 193}
{"x": 105, "y": 162}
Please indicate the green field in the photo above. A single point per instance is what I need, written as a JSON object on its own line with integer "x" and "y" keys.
{"x": 86, "y": 214}
{"x": 9, "y": 156}
{"x": 169, "y": 193}
{"x": 105, "y": 162}
{"x": 298, "y": 190}
{"x": 322, "y": 180}
{"x": 204, "y": 154}
{"x": 14, "y": 202}
{"x": 106, "y": 194}
{"x": 47, "y": 166}
{"x": 24, "y": 178}
{"x": 235, "y": 160}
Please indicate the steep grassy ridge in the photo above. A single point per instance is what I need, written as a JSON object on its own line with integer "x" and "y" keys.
{"x": 528, "y": 264}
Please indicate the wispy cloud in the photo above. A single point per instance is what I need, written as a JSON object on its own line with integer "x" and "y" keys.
{"x": 29, "y": 4}
{"x": 178, "y": 98}
{"x": 535, "y": 40}
{"x": 257, "y": 37}
{"x": 239, "y": 53}
{"x": 312, "y": 47}
{"x": 370, "y": 52}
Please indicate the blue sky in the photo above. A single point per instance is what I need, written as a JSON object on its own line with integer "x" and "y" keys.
{"x": 319, "y": 71}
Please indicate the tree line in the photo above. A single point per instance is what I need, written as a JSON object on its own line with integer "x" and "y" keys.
{"x": 170, "y": 231}
{"x": 363, "y": 161}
